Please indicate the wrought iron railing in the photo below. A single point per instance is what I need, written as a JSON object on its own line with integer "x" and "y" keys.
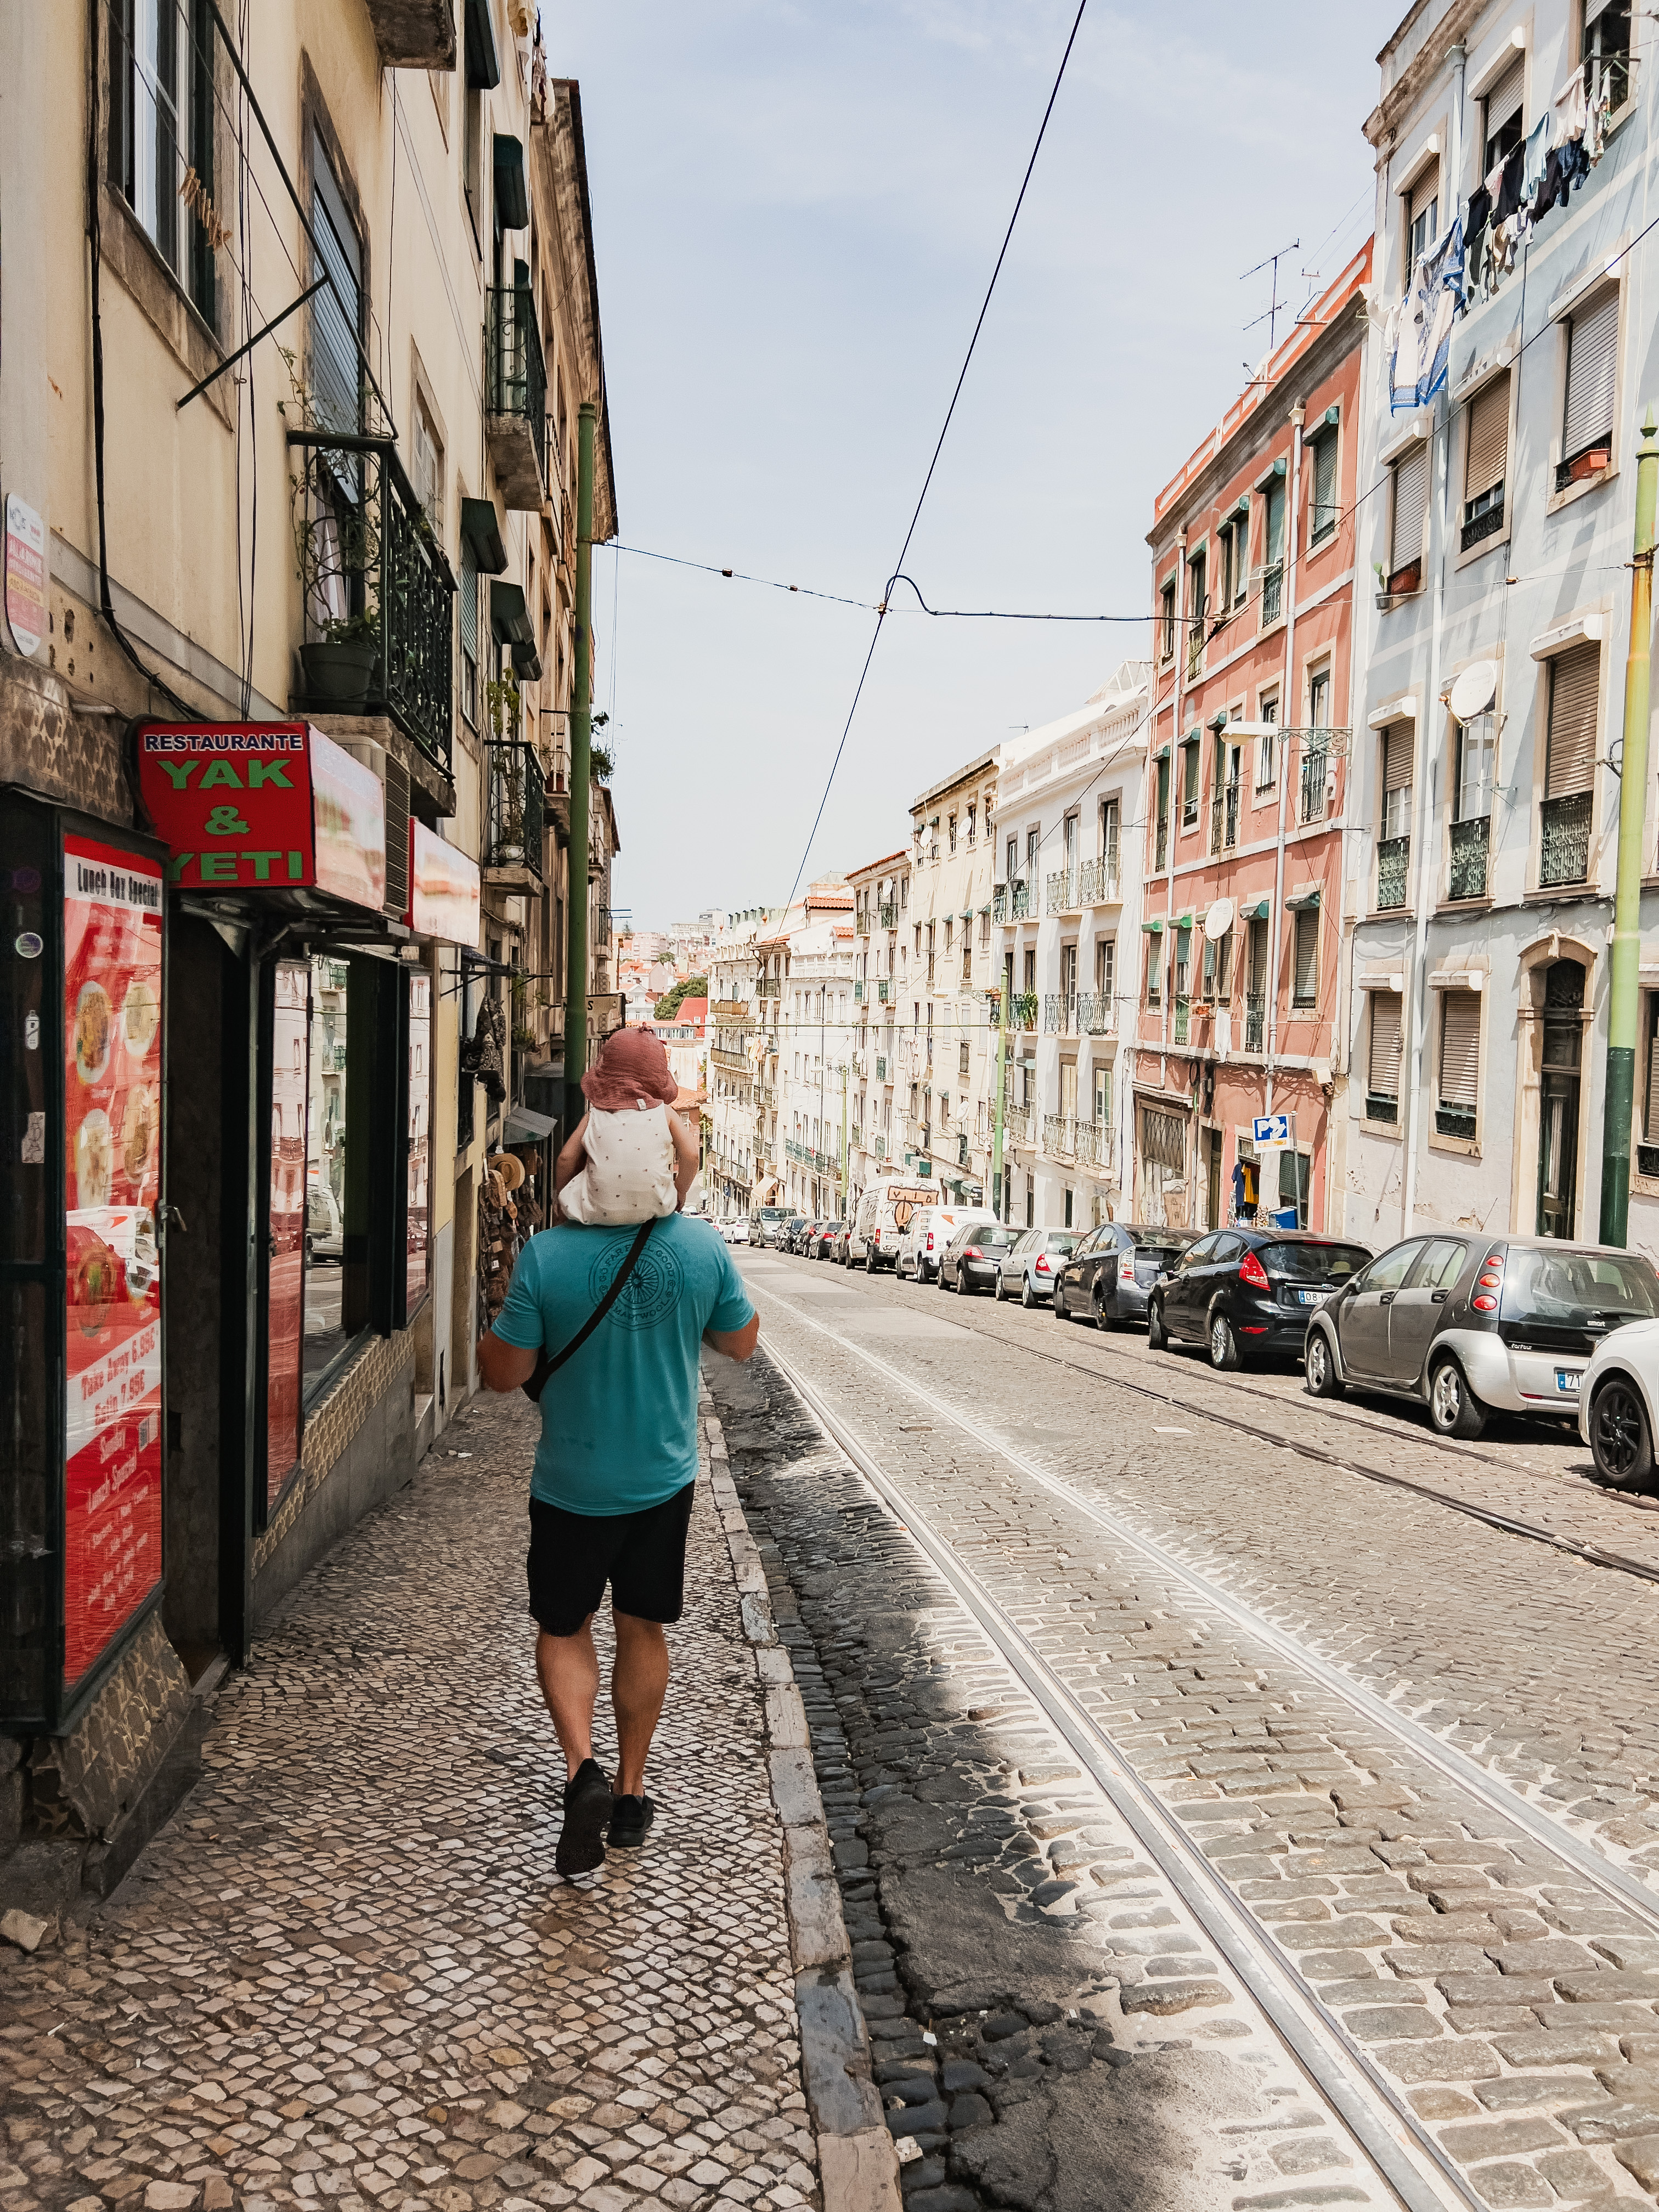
{"x": 1255, "y": 1021}
{"x": 1059, "y": 1013}
{"x": 1061, "y": 891}
{"x": 1480, "y": 527}
{"x": 1019, "y": 902}
{"x": 999, "y": 903}
{"x": 1470, "y": 847}
{"x": 1015, "y": 1125}
{"x": 1563, "y": 854}
{"x": 1393, "y": 867}
{"x": 1273, "y": 585}
{"x": 517, "y": 369}
{"x": 1315, "y": 761}
{"x": 1224, "y": 818}
{"x": 373, "y": 572}
{"x": 1058, "y": 1136}
{"x": 1381, "y": 1106}
{"x": 888, "y": 914}
{"x": 1095, "y": 1144}
{"x": 516, "y": 819}
{"x": 1452, "y": 1119}
{"x": 1097, "y": 881}
{"x": 1024, "y": 1009}
{"x": 1094, "y": 1012}
{"x": 1183, "y": 1012}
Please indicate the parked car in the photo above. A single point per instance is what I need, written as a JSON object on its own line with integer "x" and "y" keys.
{"x": 931, "y": 1229}
{"x": 768, "y": 1225}
{"x": 840, "y": 1243}
{"x": 736, "y": 1231}
{"x": 795, "y": 1233}
{"x": 884, "y": 1215}
{"x": 1030, "y": 1264}
{"x": 1109, "y": 1273}
{"x": 819, "y": 1238}
{"x": 325, "y": 1230}
{"x": 969, "y": 1261}
{"x": 1467, "y": 1325}
{"x": 1240, "y": 1291}
{"x": 1616, "y": 1403}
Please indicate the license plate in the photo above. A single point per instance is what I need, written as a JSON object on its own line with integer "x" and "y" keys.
{"x": 1313, "y": 1297}
{"x": 1568, "y": 1379}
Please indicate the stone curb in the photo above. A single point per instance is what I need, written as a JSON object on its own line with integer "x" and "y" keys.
{"x": 857, "y": 2165}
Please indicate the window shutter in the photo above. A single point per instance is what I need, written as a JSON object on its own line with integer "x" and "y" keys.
{"x": 1460, "y": 1048}
{"x": 1592, "y": 349}
{"x": 1489, "y": 438}
{"x": 1570, "y": 753}
{"x": 1397, "y": 746}
{"x": 1383, "y": 1070}
{"x": 1307, "y": 954}
{"x": 1650, "y": 1114}
{"x": 469, "y": 599}
{"x": 1324, "y": 514}
{"x": 335, "y": 370}
{"x": 1504, "y": 100}
{"x": 1411, "y": 494}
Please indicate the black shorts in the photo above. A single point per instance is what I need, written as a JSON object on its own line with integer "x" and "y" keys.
{"x": 642, "y": 1555}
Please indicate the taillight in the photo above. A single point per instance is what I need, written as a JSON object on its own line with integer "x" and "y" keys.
{"x": 1485, "y": 1303}
{"x": 1126, "y": 1270}
{"x": 1252, "y": 1272}
{"x": 1042, "y": 1267}
{"x": 973, "y": 1251}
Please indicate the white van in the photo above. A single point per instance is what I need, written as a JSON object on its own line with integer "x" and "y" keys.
{"x": 930, "y": 1228}
{"x": 884, "y": 1215}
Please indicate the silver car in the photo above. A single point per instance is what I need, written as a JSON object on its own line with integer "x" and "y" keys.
{"x": 1030, "y": 1265}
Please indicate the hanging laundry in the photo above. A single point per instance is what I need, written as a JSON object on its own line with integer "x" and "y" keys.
{"x": 1506, "y": 192}
{"x": 1571, "y": 110}
{"x": 487, "y": 1043}
{"x": 1595, "y": 121}
{"x": 1419, "y": 336}
{"x": 1477, "y": 227}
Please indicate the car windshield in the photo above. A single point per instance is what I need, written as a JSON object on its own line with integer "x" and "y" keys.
{"x": 989, "y": 1236}
{"x": 772, "y": 1213}
{"x": 1151, "y": 1246}
{"x": 1062, "y": 1240}
{"x": 1314, "y": 1263}
{"x": 1574, "y": 1288}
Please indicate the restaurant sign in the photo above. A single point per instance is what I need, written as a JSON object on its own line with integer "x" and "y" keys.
{"x": 445, "y": 888}
{"x": 264, "y": 806}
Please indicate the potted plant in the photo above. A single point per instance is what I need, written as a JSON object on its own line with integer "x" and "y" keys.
{"x": 337, "y": 547}
{"x": 340, "y": 663}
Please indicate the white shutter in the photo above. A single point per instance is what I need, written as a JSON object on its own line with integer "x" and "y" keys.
{"x": 1411, "y": 498}
{"x": 1592, "y": 355}
{"x": 1460, "y": 1048}
{"x": 1489, "y": 438}
{"x": 1382, "y": 1070}
{"x": 1569, "y": 757}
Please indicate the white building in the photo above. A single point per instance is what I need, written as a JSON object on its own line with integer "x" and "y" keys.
{"x": 881, "y": 907}
{"x": 814, "y": 1060}
{"x": 1066, "y": 910}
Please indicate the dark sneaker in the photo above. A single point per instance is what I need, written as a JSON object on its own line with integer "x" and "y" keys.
{"x": 630, "y": 1817}
{"x": 588, "y": 1803}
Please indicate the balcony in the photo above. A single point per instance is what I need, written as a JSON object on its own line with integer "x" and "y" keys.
{"x": 1059, "y": 1014}
{"x": 414, "y": 33}
{"x": 1017, "y": 1125}
{"x": 1272, "y": 594}
{"x": 1469, "y": 846}
{"x": 1224, "y": 818}
{"x": 1098, "y": 881}
{"x": 1393, "y": 867}
{"x": 375, "y": 574}
{"x": 1023, "y": 1011}
{"x": 1063, "y": 890}
{"x": 884, "y": 989}
{"x": 1564, "y": 850}
{"x": 514, "y": 829}
{"x": 516, "y": 397}
{"x": 858, "y": 994}
{"x": 1194, "y": 650}
{"x": 888, "y": 914}
{"x": 1316, "y": 765}
{"x": 1255, "y": 1021}
{"x": 882, "y": 1076}
{"x": 999, "y": 902}
{"x": 1059, "y": 1137}
{"x": 1019, "y": 902}
{"x": 1094, "y": 1013}
{"x": 1096, "y": 1145}
{"x": 1183, "y": 1014}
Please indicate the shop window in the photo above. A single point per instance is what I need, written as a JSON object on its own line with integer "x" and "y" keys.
{"x": 161, "y": 135}
{"x": 1382, "y": 1058}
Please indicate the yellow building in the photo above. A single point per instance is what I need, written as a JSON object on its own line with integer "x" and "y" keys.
{"x": 297, "y": 335}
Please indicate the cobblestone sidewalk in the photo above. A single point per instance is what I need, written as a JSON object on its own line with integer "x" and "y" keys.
{"x": 346, "y": 1974}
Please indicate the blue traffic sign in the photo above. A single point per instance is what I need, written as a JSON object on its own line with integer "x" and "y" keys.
{"x": 1272, "y": 1128}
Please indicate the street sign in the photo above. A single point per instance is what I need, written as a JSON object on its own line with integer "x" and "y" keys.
{"x": 1271, "y": 1129}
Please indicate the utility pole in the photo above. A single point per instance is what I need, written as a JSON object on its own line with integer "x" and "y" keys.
{"x": 582, "y": 768}
{"x": 1624, "y": 996}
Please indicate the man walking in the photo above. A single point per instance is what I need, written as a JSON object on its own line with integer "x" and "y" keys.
{"x": 610, "y": 1493}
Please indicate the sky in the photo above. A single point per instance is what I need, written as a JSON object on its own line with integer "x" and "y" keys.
{"x": 796, "y": 207}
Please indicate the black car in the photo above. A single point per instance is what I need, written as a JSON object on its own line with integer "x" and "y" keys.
{"x": 795, "y": 1231}
{"x": 971, "y": 1259}
{"x": 1109, "y": 1275}
{"x": 1241, "y": 1292}
{"x": 820, "y": 1239}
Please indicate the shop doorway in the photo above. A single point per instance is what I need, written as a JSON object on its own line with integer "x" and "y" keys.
{"x": 1558, "y": 1114}
{"x": 1212, "y": 1178}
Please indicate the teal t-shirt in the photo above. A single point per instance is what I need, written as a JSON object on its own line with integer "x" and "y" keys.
{"x": 619, "y": 1420}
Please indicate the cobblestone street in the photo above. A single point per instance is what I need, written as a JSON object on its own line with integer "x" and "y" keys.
{"x": 346, "y": 1973}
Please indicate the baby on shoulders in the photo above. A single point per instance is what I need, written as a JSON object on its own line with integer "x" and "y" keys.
{"x": 630, "y": 1159}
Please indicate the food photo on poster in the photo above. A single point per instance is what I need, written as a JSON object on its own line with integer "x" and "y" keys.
{"x": 112, "y": 972}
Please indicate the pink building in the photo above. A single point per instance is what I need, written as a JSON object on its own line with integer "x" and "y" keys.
{"x": 1254, "y": 584}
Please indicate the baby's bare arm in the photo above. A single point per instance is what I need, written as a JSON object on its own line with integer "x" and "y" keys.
{"x": 685, "y": 1154}
{"x": 571, "y": 1156}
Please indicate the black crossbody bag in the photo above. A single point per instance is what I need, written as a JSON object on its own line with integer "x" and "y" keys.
{"x": 544, "y": 1367}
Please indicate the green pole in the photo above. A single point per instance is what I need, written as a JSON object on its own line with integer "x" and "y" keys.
{"x": 582, "y": 766}
{"x": 996, "y": 1138}
{"x": 1624, "y": 995}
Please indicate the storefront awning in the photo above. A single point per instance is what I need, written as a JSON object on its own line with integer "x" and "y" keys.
{"x": 524, "y": 1127}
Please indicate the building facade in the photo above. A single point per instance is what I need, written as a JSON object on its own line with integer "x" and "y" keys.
{"x": 881, "y": 907}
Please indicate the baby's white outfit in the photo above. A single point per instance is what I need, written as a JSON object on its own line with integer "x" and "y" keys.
{"x": 629, "y": 1175}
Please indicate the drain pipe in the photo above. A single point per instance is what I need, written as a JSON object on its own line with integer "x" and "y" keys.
{"x": 1425, "y": 745}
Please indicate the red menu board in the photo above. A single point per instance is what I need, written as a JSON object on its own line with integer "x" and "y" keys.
{"x": 112, "y": 1182}
{"x": 289, "y": 1081}
{"x": 420, "y": 1149}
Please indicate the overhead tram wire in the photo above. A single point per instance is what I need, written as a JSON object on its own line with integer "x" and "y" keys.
{"x": 881, "y": 616}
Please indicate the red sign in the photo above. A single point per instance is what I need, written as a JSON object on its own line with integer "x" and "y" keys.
{"x": 113, "y": 1149}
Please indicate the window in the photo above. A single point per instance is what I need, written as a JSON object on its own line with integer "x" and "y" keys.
{"x": 1167, "y": 621}
{"x": 426, "y": 465}
{"x": 1183, "y": 958}
{"x": 1319, "y": 700}
{"x": 1207, "y": 982}
{"x": 962, "y": 1060}
{"x": 1647, "y": 1152}
{"x": 1223, "y": 966}
{"x": 1606, "y": 47}
{"x": 1410, "y": 507}
{"x": 1569, "y": 764}
{"x": 1304, "y": 984}
{"x": 1592, "y": 364}
{"x": 1162, "y": 846}
{"x": 1111, "y": 813}
{"x": 1190, "y": 782}
{"x": 1501, "y": 127}
{"x": 1477, "y": 753}
{"x": 1198, "y": 607}
{"x": 1013, "y": 870}
{"x": 1236, "y": 554}
{"x": 973, "y": 816}
{"x": 1272, "y": 573}
{"x": 1267, "y": 747}
{"x": 469, "y": 620}
{"x": 161, "y": 135}
{"x": 951, "y": 834}
{"x": 1398, "y": 740}
{"x": 1457, "y": 1093}
{"x": 1154, "y": 969}
{"x": 336, "y": 312}
{"x": 1422, "y": 219}
{"x": 1323, "y": 519}
{"x": 1485, "y": 459}
{"x": 1106, "y": 971}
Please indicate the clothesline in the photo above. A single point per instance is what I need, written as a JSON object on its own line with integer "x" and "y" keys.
{"x": 1497, "y": 219}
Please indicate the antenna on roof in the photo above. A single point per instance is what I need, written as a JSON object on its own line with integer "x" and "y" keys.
{"x": 1276, "y": 307}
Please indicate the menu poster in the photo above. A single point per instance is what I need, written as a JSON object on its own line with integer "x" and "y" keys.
{"x": 289, "y": 1085}
{"x": 113, "y": 1149}
{"x": 420, "y": 1149}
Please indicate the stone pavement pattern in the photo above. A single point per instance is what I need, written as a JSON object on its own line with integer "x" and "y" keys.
{"x": 346, "y": 1975}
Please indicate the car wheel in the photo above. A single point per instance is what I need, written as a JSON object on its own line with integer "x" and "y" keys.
{"x": 1157, "y": 1337}
{"x": 997, "y": 1290}
{"x": 1060, "y": 1313}
{"x": 1225, "y": 1354}
{"x": 1323, "y": 1381}
{"x": 311, "y": 1247}
{"x": 1453, "y": 1406}
{"x": 1104, "y": 1320}
{"x": 1621, "y": 1440}
{"x": 1027, "y": 1295}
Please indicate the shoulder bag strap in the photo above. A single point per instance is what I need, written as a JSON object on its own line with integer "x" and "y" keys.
{"x": 546, "y": 1367}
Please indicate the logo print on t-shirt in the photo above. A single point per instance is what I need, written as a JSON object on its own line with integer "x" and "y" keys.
{"x": 651, "y": 1293}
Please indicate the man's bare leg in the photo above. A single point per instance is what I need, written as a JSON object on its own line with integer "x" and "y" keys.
{"x": 569, "y": 1668}
{"x": 639, "y": 1683}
